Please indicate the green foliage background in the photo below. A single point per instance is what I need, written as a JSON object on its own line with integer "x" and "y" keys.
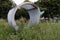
{"x": 51, "y": 8}
{"x": 42, "y": 31}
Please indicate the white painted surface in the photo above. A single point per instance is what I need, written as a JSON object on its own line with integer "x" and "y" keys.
{"x": 34, "y": 15}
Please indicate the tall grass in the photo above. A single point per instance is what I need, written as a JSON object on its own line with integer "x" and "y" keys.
{"x": 42, "y": 31}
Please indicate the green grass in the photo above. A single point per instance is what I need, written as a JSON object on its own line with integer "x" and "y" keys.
{"x": 42, "y": 31}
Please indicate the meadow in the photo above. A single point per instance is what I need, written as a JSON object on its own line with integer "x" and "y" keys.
{"x": 42, "y": 31}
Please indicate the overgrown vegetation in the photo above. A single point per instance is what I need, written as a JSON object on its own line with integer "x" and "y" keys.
{"x": 42, "y": 31}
